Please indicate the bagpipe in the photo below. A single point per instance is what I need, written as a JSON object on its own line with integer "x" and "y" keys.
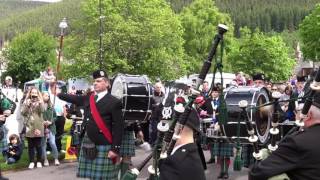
{"x": 133, "y": 173}
{"x": 262, "y": 154}
{"x": 263, "y": 112}
{"x": 169, "y": 134}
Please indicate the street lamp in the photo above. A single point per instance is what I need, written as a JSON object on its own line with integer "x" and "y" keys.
{"x": 101, "y": 17}
{"x": 62, "y": 25}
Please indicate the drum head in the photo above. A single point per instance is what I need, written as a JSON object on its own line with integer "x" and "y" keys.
{"x": 118, "y": 88}
{"x": 262, "y": 116}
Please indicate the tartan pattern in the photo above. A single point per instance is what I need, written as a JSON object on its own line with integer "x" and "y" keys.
{"x": 3, "y": 142}
{"x": 127, "y": 147}
{"x": 211, "y": 147}
{"x": 246, "y": 155}
{"x": 101, "y": 168}
{"x": 75, "y": 139}
{"x": 223, "y": 149}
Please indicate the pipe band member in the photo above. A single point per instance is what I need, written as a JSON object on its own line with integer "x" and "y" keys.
{"x": 99, "y": 154}
{"x": 184, "y": 163}
{"x": 297, "y": 154}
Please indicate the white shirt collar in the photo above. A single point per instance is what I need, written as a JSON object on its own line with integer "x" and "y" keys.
{"x": 217, "y": 98}
{"x": 176, "y": 148}
{"x": 101, "y": 95}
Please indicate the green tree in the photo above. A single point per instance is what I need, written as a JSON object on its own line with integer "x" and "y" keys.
{"x": 200, "y": 21}
{"x": 46, "y": 17}
{"x": 310, "y": 34}
{"x": 256, "y": 52}
{"x": 140, "y": 37}
{"x": 28, "y": 54}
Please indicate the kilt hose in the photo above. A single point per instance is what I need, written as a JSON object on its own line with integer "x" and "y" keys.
{"x": 127, "y": 147}
{"x": 3, "y": 141}
{"x": 223, "y": 149}
{"x": 101, "y": 168}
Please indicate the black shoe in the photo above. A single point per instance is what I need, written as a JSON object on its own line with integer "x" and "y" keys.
{"x": 226, "y": 176}
{"x": 220, "y": 176}
{"x": 211, "y": 160}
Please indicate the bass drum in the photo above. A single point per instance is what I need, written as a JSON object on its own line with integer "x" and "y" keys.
{"x": 135, "y": 93}
{"x": 260, "y": 117}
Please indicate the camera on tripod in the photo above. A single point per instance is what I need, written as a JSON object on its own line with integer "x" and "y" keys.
{"x": 76, "y": 115}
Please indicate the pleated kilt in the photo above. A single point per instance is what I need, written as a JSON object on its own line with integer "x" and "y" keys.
{"x": 223, "y": 149}
{"x": 101, "y": 168}
{"x": 246, "y": 155}
{"x": 127, "y": 144}
{"x": 3, "y": 142}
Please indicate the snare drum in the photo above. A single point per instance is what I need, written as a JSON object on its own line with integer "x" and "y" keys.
{"x": 135, "y": 93}
{"x": 78, "y": 127}
{"x": 260, "y": 119}
{"x": 205, "y": 124}
{"x": 77, "y": 124}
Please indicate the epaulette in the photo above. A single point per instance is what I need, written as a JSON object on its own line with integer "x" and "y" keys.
{"x": 300, "y": 131}
{"x": 183, "y": 153}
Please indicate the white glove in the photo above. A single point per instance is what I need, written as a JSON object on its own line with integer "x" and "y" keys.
{"x": 216, "y": 127}
{"x": 203, "y": 113}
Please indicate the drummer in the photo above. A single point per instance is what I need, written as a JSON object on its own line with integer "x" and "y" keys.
{"x": 247, "y": 149}
{"x": 222, "y": 149}
{"x": 299, "y": 91}
{"x": 258, "y": 80}
{"x": 209, "y": 110}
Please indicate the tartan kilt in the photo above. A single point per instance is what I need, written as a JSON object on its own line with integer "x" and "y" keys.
{"x": 99, "y": 168}
{"x": 204, "y": 139}
{"x": 3, "y": 142}
{"x": 75, "y": 140}
{"x": 127, "y": 147}
{"x": 223, "y": 149}
{"x": 246, "y": 155}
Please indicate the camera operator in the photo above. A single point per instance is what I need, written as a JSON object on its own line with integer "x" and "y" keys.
{"x": 32, "y": 111}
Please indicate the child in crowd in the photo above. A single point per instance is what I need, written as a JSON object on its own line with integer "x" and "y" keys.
{"x": 48, "y": 77}
{"x": 49, "y": 117}
{"x": 14, "y": 151}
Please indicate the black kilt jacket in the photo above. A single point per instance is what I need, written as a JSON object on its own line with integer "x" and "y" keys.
{"x": 110, "y": 109}
{"x": 184, "y": 164}
{"x": 298, "y": 155}
{"x": 207, "y": 106}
